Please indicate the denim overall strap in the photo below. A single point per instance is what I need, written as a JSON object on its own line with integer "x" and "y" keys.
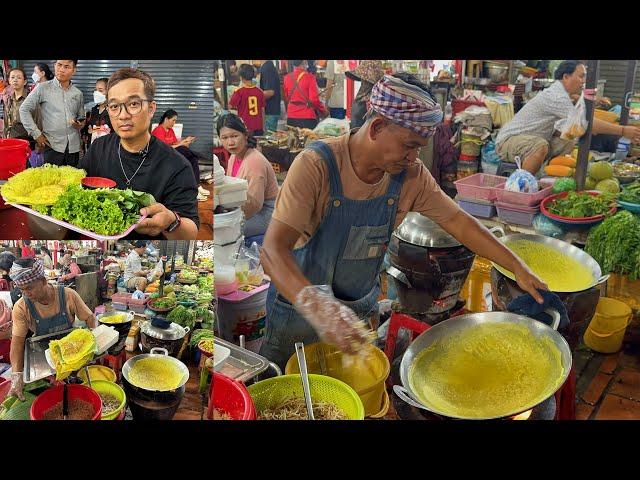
{"x": 345, "y": 253}
{"x": 55, "y": 323}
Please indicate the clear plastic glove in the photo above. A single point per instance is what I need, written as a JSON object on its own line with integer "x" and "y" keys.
{"x": 17, "y": 386}
{"x": 334, "y": 322}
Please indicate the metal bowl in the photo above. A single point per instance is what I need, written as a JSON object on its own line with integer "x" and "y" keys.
{"x": 627, "y": 178}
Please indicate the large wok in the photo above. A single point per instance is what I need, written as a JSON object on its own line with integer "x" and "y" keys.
{"x": 454, "y": 326}
{"x": 563, "y": 247}
{"x": 128, "y": 365}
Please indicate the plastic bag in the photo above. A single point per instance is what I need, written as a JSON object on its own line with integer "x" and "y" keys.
{"x": 36, "y": 159}
{"x": 249, "y": 271}
{"x": 332, "y": 127}
{"x": 137, "y": 295}
{"x": 156, "y": 273}
{"x": 542, "y": 225}
{"x": 489, "y": 154}
{"x": 576, "y": 123}
{"x": 521, "y": 180}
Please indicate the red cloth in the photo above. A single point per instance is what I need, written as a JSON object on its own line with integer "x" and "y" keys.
{"x": 250, "y": 102}
{"x": 168, "y": 137}
{"x": 28, "y": 252}
{"x": 306, "y": 83}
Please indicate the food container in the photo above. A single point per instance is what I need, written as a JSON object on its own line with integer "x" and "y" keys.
{"x": 517, "y": 214}
{"x": 480, "y": 185}
{"x": 97, "y": 372}
{"x": 524, "y": 198}
{"x": 476, "y": 207}
{"x": 133, "y": 338}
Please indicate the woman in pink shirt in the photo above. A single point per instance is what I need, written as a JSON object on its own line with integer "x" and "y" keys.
{"x": 248, "y": 163}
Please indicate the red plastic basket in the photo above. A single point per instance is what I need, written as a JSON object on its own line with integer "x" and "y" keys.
{"x": 232, "y": 397}
{"x": 53, "y": 395}
{"x": 547, "y": 201}
{"x": 480, "y": 185}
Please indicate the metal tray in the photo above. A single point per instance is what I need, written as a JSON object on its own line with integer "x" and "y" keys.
{"x": 242, "y": 364}
{"x": 36, "y": 366}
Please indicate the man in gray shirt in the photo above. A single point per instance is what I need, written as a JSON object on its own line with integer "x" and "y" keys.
{"x": 62, "y": 107}
{"x": 533, "y": 133}
{"x": 134, "y": 274}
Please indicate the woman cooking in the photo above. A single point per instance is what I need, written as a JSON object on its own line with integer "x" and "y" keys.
{"x": 43, "y": 309}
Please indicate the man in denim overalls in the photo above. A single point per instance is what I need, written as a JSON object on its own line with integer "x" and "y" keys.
{"x": 335, "y": 214}
{"x": 43, "y": 309}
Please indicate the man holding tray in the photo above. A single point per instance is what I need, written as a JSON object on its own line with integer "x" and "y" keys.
{"x": 134, "y": 159}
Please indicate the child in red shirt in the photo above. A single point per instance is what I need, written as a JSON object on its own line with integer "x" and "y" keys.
{"x": 249, "y": 101}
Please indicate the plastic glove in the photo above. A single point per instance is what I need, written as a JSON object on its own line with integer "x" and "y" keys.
{"x": 17, "y": 386}
{"x": 334, "y": 322}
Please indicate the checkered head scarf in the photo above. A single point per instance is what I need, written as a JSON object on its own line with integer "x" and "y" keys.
{"x": 24, "y": 275}
{"x": 407, "y": 105}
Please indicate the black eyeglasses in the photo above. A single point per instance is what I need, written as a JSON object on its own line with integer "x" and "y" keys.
{"x": 132, "y": 106}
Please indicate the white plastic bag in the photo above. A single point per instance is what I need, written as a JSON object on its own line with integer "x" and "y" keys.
{"x": 576, "y": 123}
{"x": 521, "y": 181}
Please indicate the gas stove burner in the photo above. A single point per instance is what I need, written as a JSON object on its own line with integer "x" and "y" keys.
{"x": 429, "y": 317}
{"x": 544, "y": 411}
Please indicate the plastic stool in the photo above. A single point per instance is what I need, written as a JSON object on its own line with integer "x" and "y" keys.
{"x": 114, "y": 362}
{"x": 566, "y": 398}
{"x": 397, "y": 321}
{"x": 256, "y": 238}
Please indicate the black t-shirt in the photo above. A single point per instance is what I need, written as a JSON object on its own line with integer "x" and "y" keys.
{"x": 270, "y": 80}
{"x": 165, "y": 174}
{"x": 98, "y": 119}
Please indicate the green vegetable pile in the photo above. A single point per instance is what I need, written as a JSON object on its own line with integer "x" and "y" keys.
{"x": 183, "y": 316}
{"x": 581, "y": 205}
{"x": 631, "y": 193}
{"x": 163, "y": 303}
{"x": 203, "y": 313}
{"x": 184, "y": 297}
{"x": 102, "y": 211}
{"x": 615, "y": 244}
{"x": 200, "y": 334}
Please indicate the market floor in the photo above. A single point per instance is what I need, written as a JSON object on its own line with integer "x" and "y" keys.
{"x": 205, "y": 212}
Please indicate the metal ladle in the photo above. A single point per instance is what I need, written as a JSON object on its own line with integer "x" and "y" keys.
{"x": 302, "y": 363}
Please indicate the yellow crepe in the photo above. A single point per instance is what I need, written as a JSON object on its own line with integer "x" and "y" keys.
{"x": 155, "y": 373}
{"x": 560, "y": 272}
{"x": 486, "y": 371}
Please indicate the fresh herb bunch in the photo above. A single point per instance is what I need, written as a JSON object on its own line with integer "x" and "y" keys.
{"x": 615, "y": 244}
{"x": 631, "y": 193}
{"x": 581, "y": 204}
{"x": 183, "y": 316}
{"x": 103, "y": 211}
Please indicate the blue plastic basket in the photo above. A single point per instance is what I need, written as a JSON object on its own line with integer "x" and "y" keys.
{"x": 632, "y": 207}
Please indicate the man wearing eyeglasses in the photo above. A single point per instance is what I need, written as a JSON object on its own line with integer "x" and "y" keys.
{"x": 62, "y": 108}
{"x": 135, "y": 159}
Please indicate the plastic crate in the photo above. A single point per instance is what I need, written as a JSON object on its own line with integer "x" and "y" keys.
{"x": 516, "y": 214}
{"x": 138, "y": 308}
{"x": 480, "y": 185}
{"x": 484, "y": 209}
{"x": 525, "y": 199}
{"x": 119, "y": 306}
{"x": 120, "y": 297}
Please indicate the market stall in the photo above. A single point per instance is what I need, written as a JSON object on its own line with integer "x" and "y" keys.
{"x": 159, "y": 339}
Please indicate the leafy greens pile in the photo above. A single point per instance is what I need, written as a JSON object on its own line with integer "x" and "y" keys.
{"x": 102, "y": 211}
{"x": 581, "y": 205}
{"x": 615, "y": 244}
{"x": 631, "y": 194}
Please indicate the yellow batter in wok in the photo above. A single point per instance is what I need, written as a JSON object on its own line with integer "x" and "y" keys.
{"x": 561, "y": 272}
{"x": 485, "y": 371}
{"x": 155, "y": 373}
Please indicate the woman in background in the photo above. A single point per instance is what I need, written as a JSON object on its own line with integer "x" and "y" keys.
{"x": 164, "y": 131}
{"x": 248, "y": 163}
{"x": 99, "y": 123}
{"x": 41, "y": 73}
{"x": 45, "y": 257}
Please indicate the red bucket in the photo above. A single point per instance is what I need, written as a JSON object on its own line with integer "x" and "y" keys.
{"x": 53, "y": 395}
{"x": 13, "y": 159}
{"x": 231, "y": 397}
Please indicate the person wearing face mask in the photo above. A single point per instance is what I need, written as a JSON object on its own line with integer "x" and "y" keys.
{"x": 99, "y": 123}
{"x": 41, "y": 73}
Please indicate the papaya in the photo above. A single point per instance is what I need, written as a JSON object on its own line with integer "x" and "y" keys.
{"x": 559, "y": 170}
{"x": 565, "y": 161}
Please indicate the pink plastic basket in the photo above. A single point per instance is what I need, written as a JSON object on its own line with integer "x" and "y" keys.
{"x": 517, "y": 214}
{"x": 525, "y": 199}
{"x": 480, "y": 185}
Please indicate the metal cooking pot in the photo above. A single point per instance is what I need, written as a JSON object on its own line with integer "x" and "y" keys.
{"x": 170, "y": 338}
{"x": 122, "y": 327}
{"x": 455, "y": 325}
{"x": 128, "y": 365}
{"x": 563, "y": 247}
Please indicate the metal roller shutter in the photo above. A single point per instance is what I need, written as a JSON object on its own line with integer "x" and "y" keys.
{"x": 614, "y": 72}
{"x": 183, "y": 85}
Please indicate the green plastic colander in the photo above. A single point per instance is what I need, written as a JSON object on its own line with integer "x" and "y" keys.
{"x": 271, "y": 392}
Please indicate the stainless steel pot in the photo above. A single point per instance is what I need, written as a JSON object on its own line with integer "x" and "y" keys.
{"x": 170, "y": 338}
{"x": 454, "y": 326}
{"x": 563, "y": 247}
